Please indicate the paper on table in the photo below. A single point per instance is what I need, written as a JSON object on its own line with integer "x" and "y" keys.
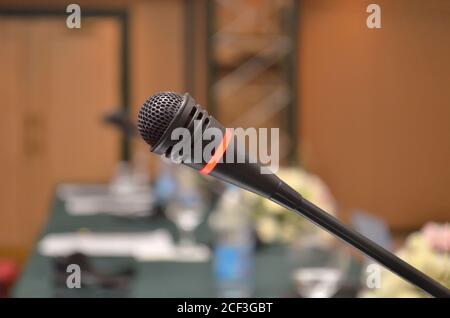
{"x": 144, "y": 246}
{"x": 91, "y": 199}
{"x": 194, "y": 253}
{"x": 158, "y": 244}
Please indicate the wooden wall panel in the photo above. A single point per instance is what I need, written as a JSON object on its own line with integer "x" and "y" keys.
{"x": 57, "y": 84}
{"x": 375, "y": 106}
{"x": 157, "y": 57}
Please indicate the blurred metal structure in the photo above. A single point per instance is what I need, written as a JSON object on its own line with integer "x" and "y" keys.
{"x": 251, "y": 56}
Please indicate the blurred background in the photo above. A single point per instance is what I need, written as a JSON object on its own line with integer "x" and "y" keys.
{"x": 364, "y": 118}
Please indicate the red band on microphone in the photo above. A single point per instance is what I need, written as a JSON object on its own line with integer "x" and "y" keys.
{"x": 218, "y": 153}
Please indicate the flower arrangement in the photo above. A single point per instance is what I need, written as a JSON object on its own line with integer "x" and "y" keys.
{"x": 274, "y": 224}
{"x": 428, "y": 251}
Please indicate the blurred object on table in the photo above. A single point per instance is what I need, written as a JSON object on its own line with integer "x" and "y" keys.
{"x": 9, "y": 271}
{"x": 375, "y": 229}
{"x": 121, "y": 121}
{"x": 438, "y": 236}
{"x": 320, "y": 266}
{"x": 128, "y": 194}
{"x": 372, "y": 227}
{"x": 154, "y": 245}
{"x": 165, "y": 185}
{"x": 186, "y": 209}
{"x": 428, "y": 251}
{"x": 149, "y": 246}
{"x": 234, "y": 244}
{"x": 275, "y": 224}
{"x": 91, "y": 277}
{"x": 172, "y": 178}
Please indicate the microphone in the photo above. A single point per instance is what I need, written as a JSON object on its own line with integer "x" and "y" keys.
{"x": 163, "y": 113}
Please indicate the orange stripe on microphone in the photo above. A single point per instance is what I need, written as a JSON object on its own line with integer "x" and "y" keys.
{"x": 218, "y": 153}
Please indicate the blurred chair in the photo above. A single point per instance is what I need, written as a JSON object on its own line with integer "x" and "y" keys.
{"x": 372, "y": 227}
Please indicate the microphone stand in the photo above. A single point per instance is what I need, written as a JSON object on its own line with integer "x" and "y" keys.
{"x": 293, "y": 201}
{"x": 248, "y": 176}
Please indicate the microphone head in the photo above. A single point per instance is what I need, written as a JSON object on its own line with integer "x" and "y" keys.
{"x": 156, "y": 114}
{"x": 163, "y": 113}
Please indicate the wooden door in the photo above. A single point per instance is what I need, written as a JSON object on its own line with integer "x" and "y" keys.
{"x": 55, "y": 85}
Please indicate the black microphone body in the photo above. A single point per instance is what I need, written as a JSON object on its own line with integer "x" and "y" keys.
{"x": 245, "y": 173}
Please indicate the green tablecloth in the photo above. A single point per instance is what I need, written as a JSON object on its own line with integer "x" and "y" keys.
{"x": 152, "y": 279}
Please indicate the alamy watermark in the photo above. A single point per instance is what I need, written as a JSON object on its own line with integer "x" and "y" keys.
{"x": 200, "y": 146}
{"x": 73, "y": 20}
{"x": 374, "y": 19}
{"x": 373, "y": 276}
{"x": 74, "y": 278}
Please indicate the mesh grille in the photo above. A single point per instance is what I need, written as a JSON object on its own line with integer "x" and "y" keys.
{"x": 156, "y": 114}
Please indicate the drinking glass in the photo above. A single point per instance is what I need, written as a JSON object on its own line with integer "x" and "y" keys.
{"x": 320, "y": 266}
{"x": 186, "y": 211}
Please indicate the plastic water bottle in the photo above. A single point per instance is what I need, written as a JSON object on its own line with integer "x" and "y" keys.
{"x": 233, "y": 252}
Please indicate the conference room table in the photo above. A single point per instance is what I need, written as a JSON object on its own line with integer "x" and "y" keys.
{"x": 272, "y": 272}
